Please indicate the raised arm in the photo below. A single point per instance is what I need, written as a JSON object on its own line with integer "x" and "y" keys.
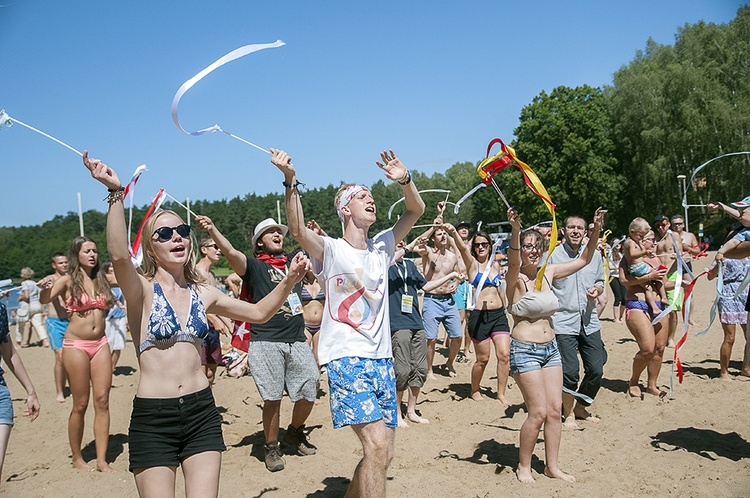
{"x": 396, "y": 171}
{"x": 130, "y": 281}
{"x": 464, "y": 250}
{"x": 720, "y": 206}
{"x": 514, "y": 254}
{"x": 307, "y": 238}
{"x": 237, "y": 260}
{"x": 261, "y": 312}
{"x": 52, "y": 289}
{"x": 561, "y": 270}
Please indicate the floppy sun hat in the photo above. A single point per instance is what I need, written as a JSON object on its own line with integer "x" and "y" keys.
{"x": 264, "y": 225}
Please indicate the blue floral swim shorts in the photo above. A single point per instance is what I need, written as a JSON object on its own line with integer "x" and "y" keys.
{"x": 362, "y": 390}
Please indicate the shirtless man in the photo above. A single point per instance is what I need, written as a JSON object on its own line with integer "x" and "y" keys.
{"x": 57, "y": 323}
{"x": 665, "y": 250}
{"x": 439, "y": 306}
{"x": 690, "y": 248}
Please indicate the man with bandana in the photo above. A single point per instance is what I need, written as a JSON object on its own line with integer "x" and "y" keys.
{"x": 279, "y": 355}
{"x": 355, "y": 335}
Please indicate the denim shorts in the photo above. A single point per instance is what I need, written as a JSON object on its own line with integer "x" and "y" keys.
{"x": 6, "y": 406}
{"x": 530, "y": 356}
{"x": 362, "y": 390}
{"x": 438, "y": 308}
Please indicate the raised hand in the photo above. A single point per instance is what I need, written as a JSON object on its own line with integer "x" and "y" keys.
{"x": 599, "y": 218}
{"x": 392, "y": 166}
{"x": 205, "y": 223}
{"x": 313, "y": 225}
{"x": 514, "y": 218}
{"x": 299, "y": 267}
{"x": 101, "y": 172}
{"x": 283, "y": 161}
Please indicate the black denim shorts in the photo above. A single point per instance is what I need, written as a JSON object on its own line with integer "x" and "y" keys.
{"x": 165, "y": 431}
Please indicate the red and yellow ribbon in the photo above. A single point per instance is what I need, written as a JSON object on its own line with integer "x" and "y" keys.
{"x": 507, "y": 157}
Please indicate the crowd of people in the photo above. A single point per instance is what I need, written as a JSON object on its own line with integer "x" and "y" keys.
{"x": 358, "y": 312}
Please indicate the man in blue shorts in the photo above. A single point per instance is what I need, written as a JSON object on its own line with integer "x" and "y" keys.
{"x": 57, "y": 324}
{"x": 355, "y": 335}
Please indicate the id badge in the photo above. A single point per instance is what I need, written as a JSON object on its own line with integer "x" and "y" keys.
{"x": 295, "y": 304}
{"x": 407, "y": 303}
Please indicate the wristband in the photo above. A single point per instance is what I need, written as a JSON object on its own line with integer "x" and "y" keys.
{"x": 514, "y": 248}
{"x": 115, "y": 195}
{"x": 294, "y": 185}
{"x": 406, "y": 180}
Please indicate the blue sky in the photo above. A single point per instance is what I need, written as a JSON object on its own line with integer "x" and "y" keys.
{"x": 433, "y": 80}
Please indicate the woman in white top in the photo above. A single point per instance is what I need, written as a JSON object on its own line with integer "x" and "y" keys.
{"x": 534, "y": 358}
{"x": 30, "y": 295}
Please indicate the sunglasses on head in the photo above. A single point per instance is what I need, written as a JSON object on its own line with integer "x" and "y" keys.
{"x": 165, "y": 233}
{"x": 481, "y": 244}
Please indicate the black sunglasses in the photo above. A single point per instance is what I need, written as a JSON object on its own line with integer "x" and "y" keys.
{"x": 481, "y": 244}
{"x": 165, "y": 233}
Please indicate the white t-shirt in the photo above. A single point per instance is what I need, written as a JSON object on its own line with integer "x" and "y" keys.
{"x": 30, "y": 285}
{"x": 355, "y": 319}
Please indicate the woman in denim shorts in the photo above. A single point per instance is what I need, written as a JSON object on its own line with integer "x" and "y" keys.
{"x": 13, "y": 360}
{"x": 535, "y": 361}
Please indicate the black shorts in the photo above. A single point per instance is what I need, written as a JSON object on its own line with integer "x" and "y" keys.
{"x": 484, "y": 324}
{"x": 165, "y": 431}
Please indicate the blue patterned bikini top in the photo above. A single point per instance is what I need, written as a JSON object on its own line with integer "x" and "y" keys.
{"x": 164, "y": 327}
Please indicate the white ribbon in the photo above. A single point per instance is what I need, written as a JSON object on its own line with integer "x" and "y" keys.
{"x": 390, "y": 210}
{"x": 234, "y": 54}
{"x": 715, "y": 305}
{"x": 8, "y": 121}
{"x": 466, "y": 196}
{"x": 696, "y": 170}
{"x": 681, "y": 269}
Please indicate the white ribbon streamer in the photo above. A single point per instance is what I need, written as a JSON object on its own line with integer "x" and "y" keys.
{"x": 466, "y": 196}
{"x": 696, "y": 170}
{"x": 233, "y": 55}
{"x": 8, "y": 121}
{"x": 390, "y": 210}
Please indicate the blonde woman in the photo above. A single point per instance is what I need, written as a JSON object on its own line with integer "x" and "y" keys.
{"x": 174, "y": 420}
{"x": 30, "y": 296}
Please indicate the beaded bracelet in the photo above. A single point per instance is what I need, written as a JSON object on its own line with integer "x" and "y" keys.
{"x": 115, "y": 195}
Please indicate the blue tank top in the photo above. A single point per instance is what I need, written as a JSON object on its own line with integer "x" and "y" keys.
{"x": 164, "y": 327}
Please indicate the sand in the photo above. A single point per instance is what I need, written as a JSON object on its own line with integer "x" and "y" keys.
{"x": 694, "y": 443}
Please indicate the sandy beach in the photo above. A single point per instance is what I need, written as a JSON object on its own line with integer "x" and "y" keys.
{"x": 694, "y": 443}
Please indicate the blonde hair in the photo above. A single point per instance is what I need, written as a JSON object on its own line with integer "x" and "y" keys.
{"x": 149, "y": 263}
{"x": 639, "y": 226}
{"x": 27, "y": 273}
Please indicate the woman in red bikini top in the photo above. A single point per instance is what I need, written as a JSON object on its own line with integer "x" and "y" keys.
{"x": 86, "y": 355}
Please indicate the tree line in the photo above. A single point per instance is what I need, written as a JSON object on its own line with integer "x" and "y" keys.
{"x": 622, "y": 146}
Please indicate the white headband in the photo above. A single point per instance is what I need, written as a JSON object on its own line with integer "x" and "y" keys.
{"x": 347, "y": 196}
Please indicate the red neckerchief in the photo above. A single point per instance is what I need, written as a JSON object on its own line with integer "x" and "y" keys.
{"x": 278, "y": 262}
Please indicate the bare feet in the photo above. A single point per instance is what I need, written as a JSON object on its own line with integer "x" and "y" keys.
{"x": 104, "y": 467}
{"x": 431, "y": 376}
{"x": 413, "y": 417}
{"x": 524, "y": 475}
{"x": 581, "y": 413}
{"x": 635, "y": 392}
{"x": 558, "y": 474}
{"x": 501, "y": 398}
{"x": 571, "y": 424}
{"x": 725, "y": 376}
{"x": 477, "y": 396}
{"x": 81, "y": 465}
{"x": 451, "y": 369}
{"x": 60, "y": 398}
{"x": 745, "y": 373}
{"x": 402, "y": 423}
{"x": 656, "y": 392}
{"x": 670, "y": 343}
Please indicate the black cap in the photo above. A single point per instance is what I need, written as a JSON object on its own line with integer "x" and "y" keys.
{"x": 660, "y": 218}
{"x": 463, "y": 224}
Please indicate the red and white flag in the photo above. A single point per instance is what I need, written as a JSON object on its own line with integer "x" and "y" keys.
{"x": 136, "y": 251}
{"x": 136, "y": 175}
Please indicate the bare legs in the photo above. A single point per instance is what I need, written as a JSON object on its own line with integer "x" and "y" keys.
{"x": 541, "y": 391}
{"x": 201, "y": 473}
{"x": 83, "y": 372}
{"x": 60, "y": 376}
{"x": 271, "y": 411}
{"x": 411, "y": 407}
{"x": 454, "y": 345}
{"x": 725, "y": 352}
{"x": 378, "y": 448}
{"x": 502, "y": 352}
{"x": 430, "y": 357}
{"x": 651, "y": 343}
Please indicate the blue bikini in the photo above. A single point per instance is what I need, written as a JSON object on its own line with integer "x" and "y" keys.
{"x": 164, "y": 327}
{"x": 490, "y": 282}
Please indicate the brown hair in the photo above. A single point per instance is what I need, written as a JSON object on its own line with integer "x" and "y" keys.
{"x": 149, "y": 264}
{"x": 101, "y": 285}
{"x": 482, "y": 234}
